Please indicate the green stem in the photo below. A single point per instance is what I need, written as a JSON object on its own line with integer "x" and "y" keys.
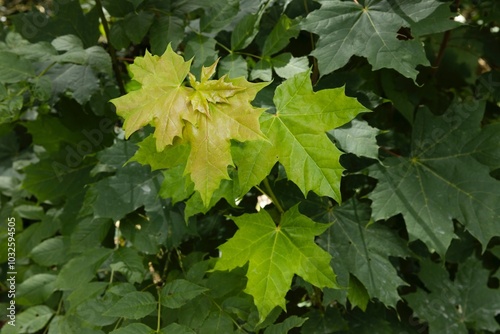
{"x": 264, "y": 6}
{"x": 45, "y": 70}
{"x": 269, "y": 192}
{"x": 111, "y": 277}
{"x": 25, "y": 88}
{"x": 59, "y": 307}
{"x": 228, "y": 50}
{"x": 112, "y": 51}
{"x": 179, "y": 258}
{"x": 118, "y": 323}
{"x": 224, "y": 47}
{"x": 158, "y": 323}
{"x": 250, "y": 55}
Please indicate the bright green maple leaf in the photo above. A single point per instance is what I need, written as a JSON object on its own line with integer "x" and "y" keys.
{"x": 274, "y": 254}
{"x": 441, "y": 180}
{"x": 205, "y": 117}
{"x": 297, "y": 138}
{"x": 371, "y": 29}
{"x": 451, "y": 306}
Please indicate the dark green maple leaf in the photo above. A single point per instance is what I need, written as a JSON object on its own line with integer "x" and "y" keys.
{"x": 486, "y": 146}
{"x": 53, "y": 178}
{"x": 441, "y": 180}
{"x": 130, "y": 188}
{"x": 357, "y": 137}
{"x": 450, "y": 307}
{"x": 363, "y": 250}
{"x": 371, "y": 29}
{"x": 275, "y": 253}
{"x": 279, "y": 37}
{"x": 218, "y": 15}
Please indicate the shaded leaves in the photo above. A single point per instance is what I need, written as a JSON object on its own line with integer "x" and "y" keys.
{"x": 441, "y": 180}
{"x": 370, "y": 29}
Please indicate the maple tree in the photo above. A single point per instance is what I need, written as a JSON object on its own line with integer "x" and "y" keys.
{"x": 234, "y": 166}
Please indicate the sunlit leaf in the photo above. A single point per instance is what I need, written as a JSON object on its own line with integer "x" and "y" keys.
{"x": 298, "y": 140}
{"x": 275, "y": 253}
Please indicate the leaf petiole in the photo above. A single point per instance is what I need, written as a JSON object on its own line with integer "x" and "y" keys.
{"x": 269, "y": 192}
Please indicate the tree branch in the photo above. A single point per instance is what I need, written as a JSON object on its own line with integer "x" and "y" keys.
{"x": 112, "y": 51}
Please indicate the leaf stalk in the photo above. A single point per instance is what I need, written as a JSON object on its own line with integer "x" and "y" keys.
{"x": 269, "y": 192}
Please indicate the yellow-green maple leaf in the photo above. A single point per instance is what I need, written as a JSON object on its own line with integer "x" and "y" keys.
{"x": 215, "y": 91}
{"x": 206, "y": 116}
{"x": 210, "y": 136}
{"x": 162, "y": 101}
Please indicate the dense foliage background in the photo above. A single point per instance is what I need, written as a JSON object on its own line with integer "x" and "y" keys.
{"x": 397, "y": 192}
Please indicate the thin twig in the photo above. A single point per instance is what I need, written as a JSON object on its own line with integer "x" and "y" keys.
{"x": 390, "y": 152}
{"x": 442, "y": 49}
{"x": 112, "y": 51}
{"x": 315, "y": 69}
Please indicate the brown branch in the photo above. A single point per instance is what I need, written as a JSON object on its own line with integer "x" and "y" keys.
{"x": 315, "y": 68}
{"x": 440, "y": 55}
{"x": 442, "y": 47}
{"x": 112, "y": 51}
{"x": 390, "y": 152}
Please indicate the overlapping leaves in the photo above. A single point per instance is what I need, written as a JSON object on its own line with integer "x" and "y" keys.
{"x": 65, "y": 201}
{"x": 212, "y": 112}
{"x": 206, "y": 116}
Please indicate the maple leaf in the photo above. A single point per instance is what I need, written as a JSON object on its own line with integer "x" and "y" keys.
{"x": 215, "y": 91}
{"x": 449, "y": 306}
{"x": 297, "y": 138}
{"x": 371, "y": 29}
{"x": 441, "y": 180}
{"x": 274, "y": 254}
{"x": 363, "y": 250}
{"x": 114, "y": 196}
{"x": 485, "y": 146}
{"x": 357, "y": 137}
{"x": 210, "y": 137}
{"x": 162, "y": 101}
{"x": 206, "y": 117}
